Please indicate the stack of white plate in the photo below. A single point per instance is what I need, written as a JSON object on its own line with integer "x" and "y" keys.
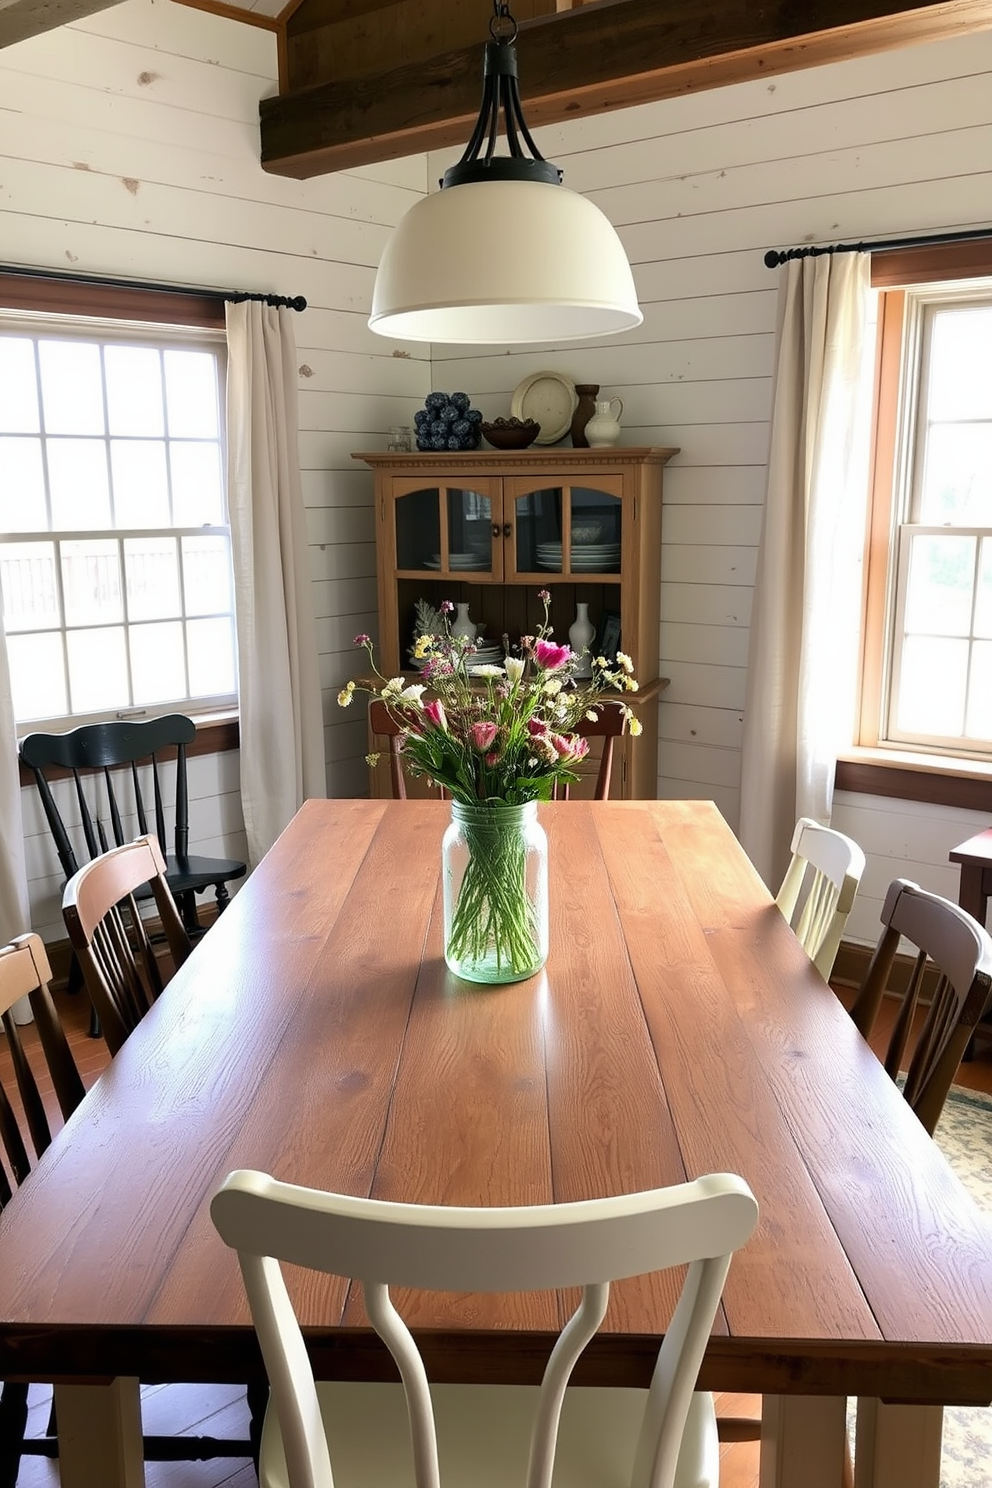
{"x": 486, "y": 655}
{"x": 586, "y": 557}
{"x": 458, "y": 561}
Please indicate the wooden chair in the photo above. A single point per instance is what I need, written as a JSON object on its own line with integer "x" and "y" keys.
{"x": 818, "y": 889}
{"x": 383, "y": 724}
{"x": 480, "y": 1432}
{"x": 961, "y": 952}
{"x": 118, "y": 775}
{"x": 608, "y": 725}
{"x": 25, "y": 1127}
{"x": 110, "y": 939}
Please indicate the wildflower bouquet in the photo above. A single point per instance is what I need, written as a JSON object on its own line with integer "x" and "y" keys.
{"x": 495, "y": 737}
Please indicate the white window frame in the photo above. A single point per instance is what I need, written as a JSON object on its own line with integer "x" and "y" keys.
{"x": 878, "y": 727}
{"x": 104, "y": 331}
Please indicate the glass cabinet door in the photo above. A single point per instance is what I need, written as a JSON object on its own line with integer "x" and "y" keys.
{"x": 444, "y": 529}
{"x": 566, "y": 529}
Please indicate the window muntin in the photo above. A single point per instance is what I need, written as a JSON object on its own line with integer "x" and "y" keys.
{"x": 115, "y": 554}
{"x": 938, "y": 651}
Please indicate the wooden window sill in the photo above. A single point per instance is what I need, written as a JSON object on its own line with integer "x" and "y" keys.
{"x": 941, "y": 780}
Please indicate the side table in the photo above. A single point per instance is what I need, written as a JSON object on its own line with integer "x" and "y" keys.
{"x": 974, "y": 892}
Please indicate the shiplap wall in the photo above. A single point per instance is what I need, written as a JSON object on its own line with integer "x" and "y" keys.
{"x": 698, "y": 188}
{"x": 129, "y": 146}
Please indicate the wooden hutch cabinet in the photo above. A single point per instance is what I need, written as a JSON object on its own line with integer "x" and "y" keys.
{"x": 491, "y": 529}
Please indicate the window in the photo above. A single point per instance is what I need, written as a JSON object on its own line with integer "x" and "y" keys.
{"x": 115, "y": 550}
{"x": 927, "y": 664}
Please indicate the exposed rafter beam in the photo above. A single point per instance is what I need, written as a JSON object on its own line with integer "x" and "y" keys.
{"x": 601, "y": 57}
{"x": 20, "y": 19}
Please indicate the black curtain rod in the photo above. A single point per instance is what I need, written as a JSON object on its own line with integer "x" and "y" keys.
{"x": 235, "y": 296}
{"x": 775, "y": 257}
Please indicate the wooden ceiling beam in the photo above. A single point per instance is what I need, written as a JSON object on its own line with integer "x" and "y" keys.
{"x": 609, "y": 55}
{"x": 20, "y": 19}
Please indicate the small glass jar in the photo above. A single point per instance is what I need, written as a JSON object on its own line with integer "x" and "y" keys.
{"x": 399, "y": 440}
{"x": 494, "y": 870}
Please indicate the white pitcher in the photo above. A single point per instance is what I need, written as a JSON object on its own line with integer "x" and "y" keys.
{"x": 603, "y": 428}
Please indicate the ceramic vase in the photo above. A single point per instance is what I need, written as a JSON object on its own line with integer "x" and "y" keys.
{"x": 581, "y": 634}
{"x": 494, "y": 875}
{"x": 603, "y": 429}
{"x": 584, "y": 410}
{"x": 462, "y": 626}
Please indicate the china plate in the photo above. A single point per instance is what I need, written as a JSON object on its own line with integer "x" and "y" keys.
{"x": 550, "y": 400}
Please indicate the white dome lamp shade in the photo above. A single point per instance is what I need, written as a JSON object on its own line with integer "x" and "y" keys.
{"x": 503, "y": 254}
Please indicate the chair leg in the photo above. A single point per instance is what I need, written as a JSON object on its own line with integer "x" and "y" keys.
{"x": 223, "y": 897}
{"x": 13, "y": 1424}
{"x": 187, "y": 909}
{"x": 74, "y": 986}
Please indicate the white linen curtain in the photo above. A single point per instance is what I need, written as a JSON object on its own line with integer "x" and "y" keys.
{"x": 281, "y": 714}
{"x": 15, "y": 905}
{"x": 802, "y": 653}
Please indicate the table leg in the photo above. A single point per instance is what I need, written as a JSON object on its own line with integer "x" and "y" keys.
{"x": 898, "y": 1446}
{"x": 803, "y": 1441}
{"x": 100, "y": 1435}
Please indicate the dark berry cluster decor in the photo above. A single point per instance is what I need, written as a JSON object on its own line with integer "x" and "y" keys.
{"x": 447, "y": 422}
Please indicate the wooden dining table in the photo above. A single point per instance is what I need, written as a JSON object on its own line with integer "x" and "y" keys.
{"x": 678, "y": 1028}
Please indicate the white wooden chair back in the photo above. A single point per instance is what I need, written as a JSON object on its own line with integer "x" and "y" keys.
{"x": 585, "y": 1245}
{"x": 818, "y": 889}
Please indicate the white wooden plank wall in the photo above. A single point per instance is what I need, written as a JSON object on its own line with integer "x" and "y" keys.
{"x": 698, "y": 188}
{"x": 129, "y": 146}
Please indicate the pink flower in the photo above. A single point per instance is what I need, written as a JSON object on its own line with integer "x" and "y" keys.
{"x": 536, "y": 728}
{"x": 492, "y": 758}
{"x": 446, "y": 607}
{"x": 569, "y": 747}
{"x": 550, "y": 657}
{"x": 483, "y": 735}
{"x": 544, "y": 595}
{"x": 435, "y": 714}
{"x": 363, "y": 640}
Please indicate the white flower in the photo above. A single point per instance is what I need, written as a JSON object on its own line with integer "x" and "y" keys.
{"x": 552, "y": 686}
{"x": 514, "y": 667}
{"x": 485, "y": 669}
{"x": 393, "y": 688}
{"x": 412, "y": 693}
{"x": 624, "y": 660}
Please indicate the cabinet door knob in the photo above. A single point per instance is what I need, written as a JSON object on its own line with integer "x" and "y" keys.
{"x": 495, "y": 529}
{"x": 507, "y": 529}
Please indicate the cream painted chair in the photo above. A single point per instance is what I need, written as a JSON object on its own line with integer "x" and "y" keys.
{"x": 818, "y": 889}
{"x": 486, "y": 1435}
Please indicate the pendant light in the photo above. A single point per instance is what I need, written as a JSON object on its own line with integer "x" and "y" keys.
{"x": 503, "y": 254}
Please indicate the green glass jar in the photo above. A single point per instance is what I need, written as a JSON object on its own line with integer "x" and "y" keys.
{"x": 495, "y": 881}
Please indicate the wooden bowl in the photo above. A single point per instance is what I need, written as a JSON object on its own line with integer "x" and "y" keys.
{"x": 511, "y": 433}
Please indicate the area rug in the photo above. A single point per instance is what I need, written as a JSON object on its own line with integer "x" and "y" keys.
{"x": 964, "y": 1135}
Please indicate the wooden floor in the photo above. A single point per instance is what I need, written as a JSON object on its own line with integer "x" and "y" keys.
{"x": 219, "y": 1410}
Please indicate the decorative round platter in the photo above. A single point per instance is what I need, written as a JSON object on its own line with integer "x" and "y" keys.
{"x": 550, "y": 400}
